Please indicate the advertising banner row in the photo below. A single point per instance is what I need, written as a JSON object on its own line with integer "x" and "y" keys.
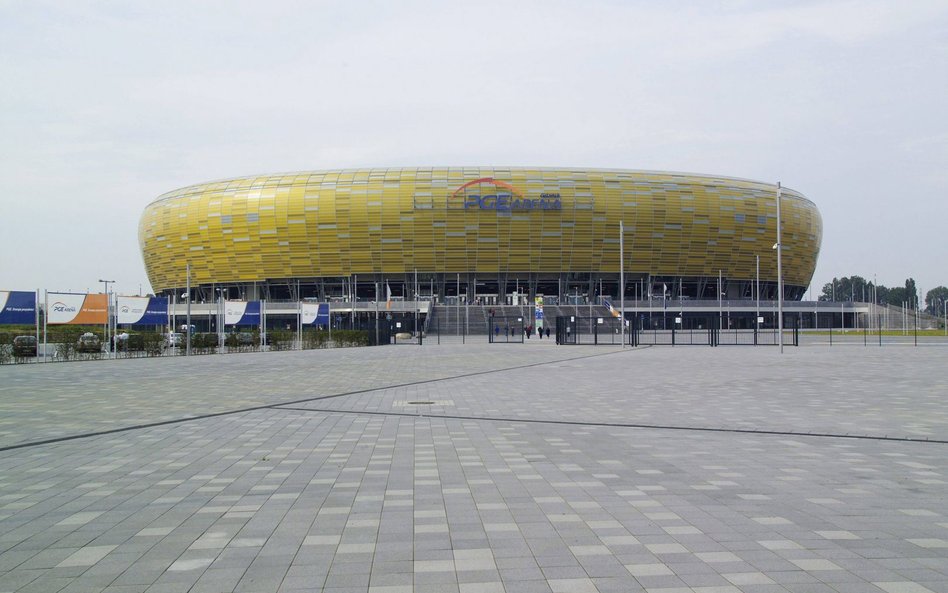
{"x": 92, "y": 309}
{"x": 19, "y": 307}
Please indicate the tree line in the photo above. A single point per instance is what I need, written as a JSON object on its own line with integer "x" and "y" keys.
{"x": 858, "y": 289}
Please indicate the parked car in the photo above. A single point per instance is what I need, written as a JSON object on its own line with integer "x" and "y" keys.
{"x": 24, "y": 346}
{"x": 89, "y": 342}
{"x": 174, "y": 340}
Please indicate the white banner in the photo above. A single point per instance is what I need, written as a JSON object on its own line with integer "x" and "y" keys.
{"x": 63, "y": 308}
{"x": 309, "y": 311}
{"x": 234, "y": 311}
{"x": 131, "y": 309}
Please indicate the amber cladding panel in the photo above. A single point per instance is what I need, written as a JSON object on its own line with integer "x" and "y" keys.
{"x": 394, "y": 221}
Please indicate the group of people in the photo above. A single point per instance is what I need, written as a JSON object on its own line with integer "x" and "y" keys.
{"x": 528, "y": 330}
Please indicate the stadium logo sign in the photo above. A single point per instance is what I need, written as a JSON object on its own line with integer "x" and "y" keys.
{"x": 504, "y": 198}
{"x": 61, "y": 307}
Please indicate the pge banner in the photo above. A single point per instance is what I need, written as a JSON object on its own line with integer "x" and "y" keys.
{"x": 539, "y": 313}
{"x": 76, "y": 309}
{"x": 241, "y": 312}
{"x": 17, "y": 307}
{"x": 142, "y": 310}
{"x": 315, "y": 314}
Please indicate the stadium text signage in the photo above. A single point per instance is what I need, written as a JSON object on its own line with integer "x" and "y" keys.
{"x": 504, "y": 201}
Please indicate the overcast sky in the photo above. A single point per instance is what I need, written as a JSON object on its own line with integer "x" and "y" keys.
{"x": 106, "y": 105}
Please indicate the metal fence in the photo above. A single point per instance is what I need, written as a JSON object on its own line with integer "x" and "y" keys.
{"x": 507, "y": 330}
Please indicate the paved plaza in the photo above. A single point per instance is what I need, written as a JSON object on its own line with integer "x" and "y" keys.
{"x": 479, "y": 468}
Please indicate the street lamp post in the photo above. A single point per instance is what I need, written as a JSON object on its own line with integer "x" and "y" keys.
{"x": 187, "y": 349}
{"x": 221, "y": 319}
{"x": 622, "y": 283}
{"x": 108, "y": 315}
{"x": 779, "y": 272}
{"x": 757, "y": 290}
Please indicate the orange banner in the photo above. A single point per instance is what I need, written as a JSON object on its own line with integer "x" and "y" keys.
{"x": 94, "y": 311}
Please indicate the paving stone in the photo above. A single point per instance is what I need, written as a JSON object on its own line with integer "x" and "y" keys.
{"x": 540, "y": 469}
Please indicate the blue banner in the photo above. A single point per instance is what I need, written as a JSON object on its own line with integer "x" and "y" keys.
{"x": 315, "y": 314}
{"x": 157, "y": 312}
{"x": 17, "y": 307}
{"x": 141, "y": 310}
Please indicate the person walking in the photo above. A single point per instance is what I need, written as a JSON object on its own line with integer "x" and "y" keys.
{"x": 548, "y": 333}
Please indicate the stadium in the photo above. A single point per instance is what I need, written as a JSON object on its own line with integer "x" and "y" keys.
{"x": 486, "y": 235}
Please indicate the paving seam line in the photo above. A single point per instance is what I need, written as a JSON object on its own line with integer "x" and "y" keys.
{"x": 293, "y": 402}
{"x": 618, "y": 425}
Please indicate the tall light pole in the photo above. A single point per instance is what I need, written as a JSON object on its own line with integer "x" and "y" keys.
{"x": 221, "y": 319}
{"x": 875, "y": 301}
{"x": 757, "y": 290}
{"x": 622, "y": 282}
{"x": 779, "y": 272}
{"x": 108, "y": 314}
{"x": 187, "y": 349}
{"x": 417, "y": 332}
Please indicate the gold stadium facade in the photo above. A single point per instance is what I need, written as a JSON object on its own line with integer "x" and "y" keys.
{"x": 493, "y": 234}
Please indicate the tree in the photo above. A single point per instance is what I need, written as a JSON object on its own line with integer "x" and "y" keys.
{"x": 854, "y": 288}
{"x": 858, "y": 289}
{"x": 911, "y": 292}
{"x": 900, "y": 296}
{"x": 935, "y": 300}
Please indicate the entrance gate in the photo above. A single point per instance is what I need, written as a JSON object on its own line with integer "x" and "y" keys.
{"x": 505, "y": 330}
{"x": 595, "y": 331}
